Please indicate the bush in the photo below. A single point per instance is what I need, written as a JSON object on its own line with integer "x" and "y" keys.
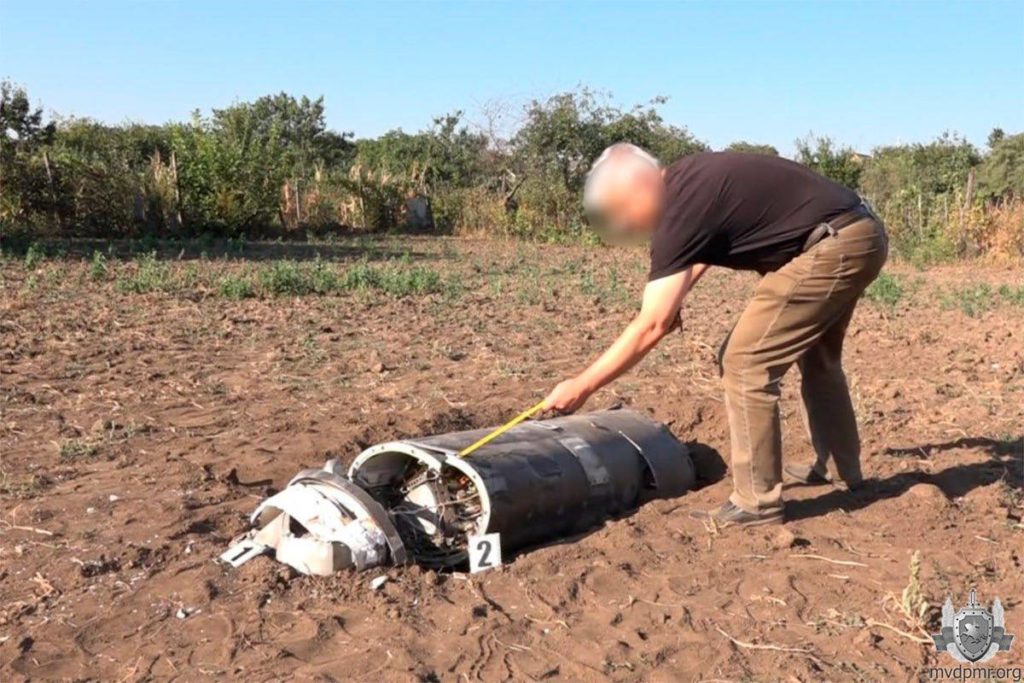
{"x": 34, "y": 255}
{"x": 271, "y": 167}
{"x": 887, "y": 290}
{"x": 236, "y": 287}
{"x": 150, "y": 275}
{"x": 98, "y": 266}
{"x": 841, "y": 164}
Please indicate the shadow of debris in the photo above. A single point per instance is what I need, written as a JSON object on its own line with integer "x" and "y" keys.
{"x": 709, "y": 466}
{"x": 708, "y": 463}
{"x": 1005, "y": 464}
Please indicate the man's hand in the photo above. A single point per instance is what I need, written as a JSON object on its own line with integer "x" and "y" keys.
{"x": 568, "y": 397}
{"x": 659, "y": 313}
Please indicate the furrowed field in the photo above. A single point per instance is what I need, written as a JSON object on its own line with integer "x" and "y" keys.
{"x": 153, "y": 392}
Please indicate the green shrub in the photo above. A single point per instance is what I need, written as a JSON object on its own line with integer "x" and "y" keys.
{"x": 34, "y": 255}
{"x": 972, "y": 299}
{"x": 323, "y": 278}
{"x": 236, "y": 287}
{"x": 150, "y": 275}
{"x": 78, "y": 449}
{"x": 360, "y": 277}
{"x": 285, "y": 278}
{"x": 887, "y": 290}
{"x": 1012, "y": 295}
{"x": 98, "y": 266}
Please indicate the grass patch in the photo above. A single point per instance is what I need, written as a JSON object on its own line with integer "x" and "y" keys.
{"x": 34, "y": 255}
{"x": 887, "y": 290}
{"x": 287, "y": 278}
{"x": 972, "y": 299}
{"x": 398, "y": 278}
{"x": 415, "y": 280}
{"x": 21, "y": 489}
{"x": 237, "y": 287}
{"x": 78, "y": 449}
{"x": 923, "y": 250}
{"x": 151, "y": 275}
{"x": 1012, "y": 295}
{"x": 98, "y": 266}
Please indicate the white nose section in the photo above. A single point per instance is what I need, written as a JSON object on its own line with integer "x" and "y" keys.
{"x": 318, "y": 524}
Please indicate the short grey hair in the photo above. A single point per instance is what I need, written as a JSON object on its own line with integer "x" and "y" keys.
{"x": 618, "y": 151}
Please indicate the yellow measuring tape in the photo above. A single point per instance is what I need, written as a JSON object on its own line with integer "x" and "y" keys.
{"x": 525, "y": 415}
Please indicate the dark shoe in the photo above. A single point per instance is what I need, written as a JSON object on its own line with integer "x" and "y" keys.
{"x": 851, "y": 485}
{"x": 728, "y": 514}
{"x": 806, "y": 474}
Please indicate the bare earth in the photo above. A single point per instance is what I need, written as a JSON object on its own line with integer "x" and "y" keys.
{"x": 139, "y": 430}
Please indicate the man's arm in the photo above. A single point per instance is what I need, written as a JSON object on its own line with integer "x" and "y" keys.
{"x": 659, "y": 313}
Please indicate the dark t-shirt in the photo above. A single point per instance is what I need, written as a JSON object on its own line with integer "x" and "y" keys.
{"x": 742, "y": 211}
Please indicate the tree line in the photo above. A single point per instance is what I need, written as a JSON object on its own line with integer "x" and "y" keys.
{"x": 272, "y": 168}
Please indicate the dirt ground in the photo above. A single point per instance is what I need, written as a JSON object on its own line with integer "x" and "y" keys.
{"x": 139, "y": 430}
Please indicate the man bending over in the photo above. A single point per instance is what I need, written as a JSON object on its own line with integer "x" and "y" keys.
{"x": 817, "y": 247}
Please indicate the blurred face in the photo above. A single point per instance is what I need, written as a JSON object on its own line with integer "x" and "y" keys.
{"x": 631, "y": 199}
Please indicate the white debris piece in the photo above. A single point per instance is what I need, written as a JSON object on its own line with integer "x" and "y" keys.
{"x": 318, "y": 524}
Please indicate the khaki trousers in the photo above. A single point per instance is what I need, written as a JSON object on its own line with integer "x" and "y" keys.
{"x": 799, "y": 314}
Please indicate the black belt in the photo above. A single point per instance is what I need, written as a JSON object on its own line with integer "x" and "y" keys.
{"x": 845, "y": 219}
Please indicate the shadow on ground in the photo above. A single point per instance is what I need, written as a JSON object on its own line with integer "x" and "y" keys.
{"x": 1006, "y": 463}
{"x": 708, "y": 464}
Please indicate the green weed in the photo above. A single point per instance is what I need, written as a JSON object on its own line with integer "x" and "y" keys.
{"x": 34, "y": 255}
{"x": 587, "y": 285}
{"x": 887, "y": 290}
{"x": 236, "y": 287}
{"x": 1012, "y": 295}
{"x": 397, "y": 282}
{"x": 53, "y": 276}
{"x": 286, "y": 278}
{"x": 413, "y": 281}
{"x": 360, "y": 277}
{"x": 324, "y": 278}
{"x": 78, "y": 449}
{"x": 151, "y": 275}
{"x": 189, "y": 279}
{"x": 98, "y": 266}
{"x": 972, "y": 300}
{"x": 528, "y": 294}
{"x": 453, "y": 288}
{"x": 497, "y": 285}
{"x": 29, "y": 487}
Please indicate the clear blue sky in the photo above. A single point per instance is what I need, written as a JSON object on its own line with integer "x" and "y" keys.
{"x": 866, "y": 73}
